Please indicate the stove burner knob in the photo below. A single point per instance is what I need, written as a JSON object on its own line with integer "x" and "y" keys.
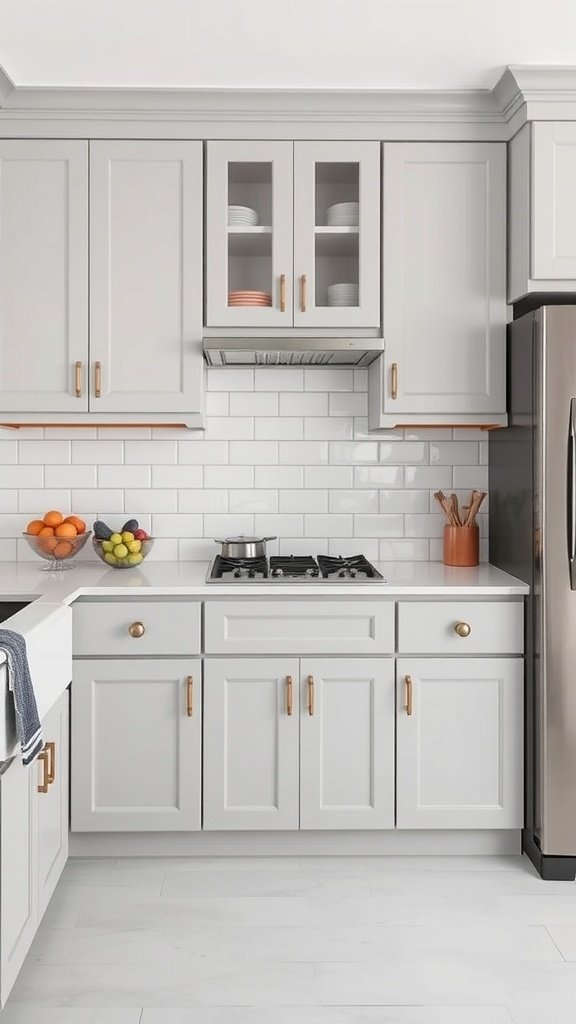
{"x": 310, "y": 572}
{"x": 277, "y": 572}
{"x": 353, "y": 572}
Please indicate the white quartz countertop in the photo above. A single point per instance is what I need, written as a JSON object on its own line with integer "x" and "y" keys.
{"x": 26, "y": 581}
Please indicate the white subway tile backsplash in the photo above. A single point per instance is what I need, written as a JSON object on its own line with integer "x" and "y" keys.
{"x": 202, "y": 501}
{"x": 281, "y": 477}
{"x": 228, "y": 476}
{"x": 70, "y": 476}
{"x": 252, "y": 453}
{"x": 329, "y": 428}
{"x": 207, "y": 453}
{"x": 329, "y": 526}
{"x": 254, "y": 403}
{"x": 354, "y": 502}
{"x": 303, "y": 404}
{"x": 303, "y": 453}
{"x": 286, "y": 453}
{"x": 304, "y": 501}
{"x": 149, "y": 452}
{"x": 278, "y": 428}
{"x": 176, "y": 476}
{"x": 254, "y": 500}
{"x": 285, "y": 379}
{"x": 317, "y": 378}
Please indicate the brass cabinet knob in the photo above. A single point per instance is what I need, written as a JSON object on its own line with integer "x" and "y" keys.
{"x": 462, "y": 629}
{"x": 136, "y": 630}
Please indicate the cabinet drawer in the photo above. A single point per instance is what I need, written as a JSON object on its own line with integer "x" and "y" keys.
{"x": 103, "y": 627}
{"x": 429, "y": 627}
{"x": 299, "y": 627}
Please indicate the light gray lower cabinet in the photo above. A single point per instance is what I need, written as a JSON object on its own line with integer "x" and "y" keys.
{"x": 292, "y": 743}
{"x": 33, "y": 842}
{"x": 136, "y": 744}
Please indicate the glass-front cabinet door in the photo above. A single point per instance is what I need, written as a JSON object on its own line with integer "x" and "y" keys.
{"x": 336, "y": 234}
{"x": 249, "y": 232}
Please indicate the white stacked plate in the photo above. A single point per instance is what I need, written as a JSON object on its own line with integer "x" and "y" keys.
{"x": 242, "y": 216}
{"x": 343, "y": 215}
{"x": 343, "y": 295}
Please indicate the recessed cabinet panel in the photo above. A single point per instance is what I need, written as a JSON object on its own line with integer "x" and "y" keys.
{"x": 251, "y": 742}
{"x": 53, "y": 806}
{"x": 553, "y": 201}
{"x": 145, "y": 276}
{"x": 347, "y": 743}
{"x": 43, "y": 275}
{"x": 336, "y": 234}
{"x": 444, "y": 280}
{"x": 459, "y": 743}
{"x": 18, "y": 875}
{"x": 249, "y": 247}
{"x": 461, "y": 627}
{"x": 136, "y": 742}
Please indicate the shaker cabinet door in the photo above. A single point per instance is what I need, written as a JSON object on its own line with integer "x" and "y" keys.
{"x": 43, "y": 275}
{"x": 145, "y": 277}
{"x": 337, "y": 234}
{"x": 136, "y": 745}
{"x": 459, "y": 743}
{"x": 444, "y": 281}
{"x": 53, "y": 805}
{"x": 18, "y": 868}
{"x": 251, "y": 743}
{"x": 347, "y": 743}
{"x": 249, "y": 244}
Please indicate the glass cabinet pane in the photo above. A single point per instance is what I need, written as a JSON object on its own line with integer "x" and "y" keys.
{"x": 249, "y": 220}
{"x": 336, "y": 234}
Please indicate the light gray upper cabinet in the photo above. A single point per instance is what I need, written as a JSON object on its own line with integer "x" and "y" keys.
{"x": 444, "y": 286}
{"x": 145, "y": 276}
{"x": 275, "y": 225}
{"x": 43, "y": 274}
{"x": 542, "y": 209}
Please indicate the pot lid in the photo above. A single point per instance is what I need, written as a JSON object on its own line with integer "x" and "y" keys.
{"x": 242, "y": 540}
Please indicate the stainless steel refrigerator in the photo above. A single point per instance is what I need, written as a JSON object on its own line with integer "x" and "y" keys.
{"x": 533, "y": 535}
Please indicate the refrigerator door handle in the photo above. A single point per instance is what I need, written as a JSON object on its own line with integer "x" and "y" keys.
{"x": 571, "y": 494}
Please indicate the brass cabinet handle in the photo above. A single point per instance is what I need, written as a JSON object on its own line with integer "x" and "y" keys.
{"x": 190, "y": 696}
{"x": 288, "y": 695}
{"x": 43, "y": 758}
{"x": 462, "y": 629}
{"x": 78, "y": 379}
{"x": 310, "y": 695}
{"x": 282, "y": 293}
{"x": 303, "y": 292}
{"x": 97, "y": 380}
{"x": 50, "y": 749}
{"x": 394, "y": 384}
{"x": 136, "y": 630}
{"x": 408, "y": 705}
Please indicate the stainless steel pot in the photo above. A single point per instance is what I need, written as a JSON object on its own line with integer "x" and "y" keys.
{"x": 243, "y": 547}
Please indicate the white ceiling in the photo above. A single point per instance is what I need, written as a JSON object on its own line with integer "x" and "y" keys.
{"x": 349, "y": 44}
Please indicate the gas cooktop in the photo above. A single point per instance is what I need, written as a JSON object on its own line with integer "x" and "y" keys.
{"x": 293, "y": 568}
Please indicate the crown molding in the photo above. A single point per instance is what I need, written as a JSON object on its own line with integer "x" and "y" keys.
{"x": 7, "y": 87}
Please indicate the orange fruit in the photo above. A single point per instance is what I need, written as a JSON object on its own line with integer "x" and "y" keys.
{"x": 53, "y": 518}
{"x": 77, "y": 522}
{"x": 65, "y": 530}
{"x": 46, "y": 531}
{"x": 34, "y": 527}
{"x": 63, "y": 549}
{"x": 47, "y": 544}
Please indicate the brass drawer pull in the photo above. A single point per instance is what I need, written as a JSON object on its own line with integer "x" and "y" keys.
{"x": 394, "y": 383}
{"x": 97, "y": 380}
{"x": 408, "y": 704}
{"x": 190, "y": 696}
{"x": 78, "y": 379}
{"x": 282, "y": 293}
{"x": 310, "y": 695}
{"x": 50, "y": 749}
{"x": 288, "y": 695}
{"x": 462, "y": 629}
{"x": 136, "y": 630}
{"x": 43, "y": 758}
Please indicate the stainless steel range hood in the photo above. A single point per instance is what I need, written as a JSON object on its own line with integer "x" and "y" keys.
{"x": 292, "y": 351}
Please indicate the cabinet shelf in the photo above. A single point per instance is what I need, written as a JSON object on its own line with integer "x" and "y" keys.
{"x": 338, "y": 241}
{"x": 256, "y": 241}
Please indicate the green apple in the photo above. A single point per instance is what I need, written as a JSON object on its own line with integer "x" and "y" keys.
{"x": 135, "y": 559}
{"x": 107, "y": 545}
{"x": 120, "y": 551}
{"x": 109, "y": 557}
{"x": 134, "y": 546}
{"x": 127, "y": 537}
{"x": 116, "y": 538}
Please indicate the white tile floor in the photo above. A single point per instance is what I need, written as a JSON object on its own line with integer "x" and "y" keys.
{"x": 466, "y": 940}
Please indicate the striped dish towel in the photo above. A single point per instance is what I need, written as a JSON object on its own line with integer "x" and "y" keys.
{"x": 28, "y": 725}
